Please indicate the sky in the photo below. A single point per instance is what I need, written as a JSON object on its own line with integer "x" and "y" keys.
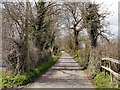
{"x": 112, "y": 6}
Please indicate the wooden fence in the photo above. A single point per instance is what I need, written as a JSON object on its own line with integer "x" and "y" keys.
{"x": 106, "y": 65}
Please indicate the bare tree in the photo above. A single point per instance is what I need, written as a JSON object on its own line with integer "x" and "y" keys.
{"x": 74, "y": 19}
{"x": 15, "y": 33}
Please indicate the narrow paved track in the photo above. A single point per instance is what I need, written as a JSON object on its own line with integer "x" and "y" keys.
{"x": 66, "y": 73}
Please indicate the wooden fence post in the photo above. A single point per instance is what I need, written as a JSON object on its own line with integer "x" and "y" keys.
{"x": 101, "y": 64}
{"x": 110, "y": 72}
{"x": 104, "y": 69}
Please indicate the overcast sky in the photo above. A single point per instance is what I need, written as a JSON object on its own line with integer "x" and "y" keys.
{"x": 112, "y": 6}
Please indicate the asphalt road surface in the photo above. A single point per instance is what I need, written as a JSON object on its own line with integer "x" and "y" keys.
{"x": 66, "y": 73}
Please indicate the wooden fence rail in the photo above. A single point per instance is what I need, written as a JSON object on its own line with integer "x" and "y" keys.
{"x": 106, "y": 65}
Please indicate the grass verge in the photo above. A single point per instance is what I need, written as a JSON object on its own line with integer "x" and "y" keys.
{"x": 12, "y": 80}
{"x": 81, "y": 62}
{"x": 104, "y": 81}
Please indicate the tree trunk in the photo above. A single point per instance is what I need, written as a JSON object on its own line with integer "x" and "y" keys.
{"x": 27, "y": 39}
{"x": 76, "y": 33}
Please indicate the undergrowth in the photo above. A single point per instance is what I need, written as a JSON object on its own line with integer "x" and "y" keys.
{"x": 104, "y": 81}
{"x": 12, "y": 80}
